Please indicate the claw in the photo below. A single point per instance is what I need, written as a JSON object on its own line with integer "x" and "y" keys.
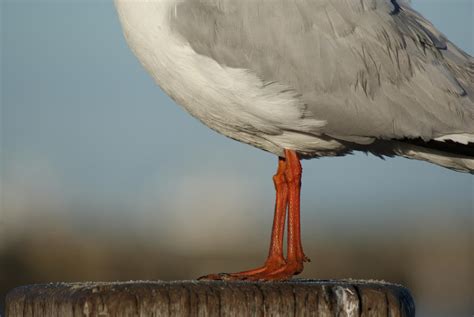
{"x": 274, "y": 272}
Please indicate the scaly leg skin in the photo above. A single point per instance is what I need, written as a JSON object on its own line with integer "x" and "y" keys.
{"x": 288, "y": 185}
{"x": 275, "y": 258}
{"x": 295, "y": 255}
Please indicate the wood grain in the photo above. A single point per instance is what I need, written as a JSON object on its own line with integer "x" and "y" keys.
{"x": 348, "y": 298}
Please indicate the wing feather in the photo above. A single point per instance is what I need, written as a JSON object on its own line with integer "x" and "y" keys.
{"x": 369, "y": 68}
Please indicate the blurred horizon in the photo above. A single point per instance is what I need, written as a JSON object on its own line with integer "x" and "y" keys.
{"x": 103, "y": 177}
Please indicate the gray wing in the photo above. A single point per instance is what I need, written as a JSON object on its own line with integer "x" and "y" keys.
{"x": 370, "y": 68}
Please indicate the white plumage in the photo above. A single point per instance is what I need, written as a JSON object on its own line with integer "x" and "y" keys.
{"x": 321, "y": 77}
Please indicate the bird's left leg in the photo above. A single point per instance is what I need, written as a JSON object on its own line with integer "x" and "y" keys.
{"x": 275, "y": 259}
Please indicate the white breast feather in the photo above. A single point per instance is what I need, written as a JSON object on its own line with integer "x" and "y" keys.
{"x": 232, "y": 101}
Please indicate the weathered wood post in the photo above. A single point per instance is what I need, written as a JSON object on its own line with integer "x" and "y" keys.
{"x": 191, "y": 298}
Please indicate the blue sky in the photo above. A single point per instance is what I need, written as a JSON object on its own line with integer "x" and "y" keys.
{"x": 90, "y": 144}
{"x": 83, "y": 124}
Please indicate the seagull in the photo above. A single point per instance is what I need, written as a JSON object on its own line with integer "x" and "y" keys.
{"x": 305, "y": 79}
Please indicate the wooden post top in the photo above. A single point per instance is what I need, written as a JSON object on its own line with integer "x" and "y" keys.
{"x": 297, "y": 297}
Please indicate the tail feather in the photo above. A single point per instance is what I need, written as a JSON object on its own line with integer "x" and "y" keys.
{"x": 449, "y": 154}
{"x": 446, "y": 146}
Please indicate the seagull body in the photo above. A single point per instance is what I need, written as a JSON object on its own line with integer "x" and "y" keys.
{"x": 309, "y": 78}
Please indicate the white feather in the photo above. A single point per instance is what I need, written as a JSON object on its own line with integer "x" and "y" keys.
{"x": 232, "y": 101}
{"x": 425, "y": 101}
{"x": 462, "y": 138}
{"x": 458, "y": 163}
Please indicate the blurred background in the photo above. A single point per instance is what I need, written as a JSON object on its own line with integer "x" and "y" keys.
{"x": 104, "y": 178}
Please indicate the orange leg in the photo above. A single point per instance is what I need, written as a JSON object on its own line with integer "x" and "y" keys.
{"x": 295, "y": 255}
{"x": 287, "y": 185}
{"x": 275, "y": 254}
{"x": 275, "y": 259}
